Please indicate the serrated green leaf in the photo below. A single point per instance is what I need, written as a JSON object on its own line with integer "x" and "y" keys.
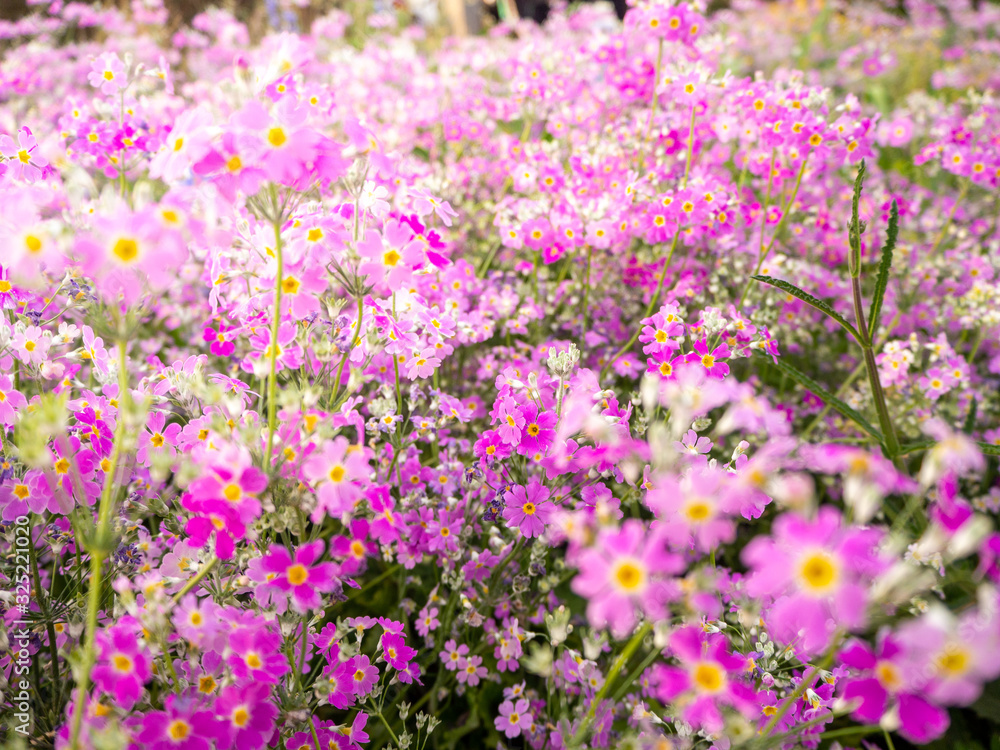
{"x": 988, "y": 449}
{"x": 884, "y": 267}
{"x": 819, "y": 304}
{"x": 835, "y": 403}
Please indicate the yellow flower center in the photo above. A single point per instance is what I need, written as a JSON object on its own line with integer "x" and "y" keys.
{"x": 391, "y": 258}
{"x": 24, "y": 156}
{"x": 315, "y": 235}
{"x": 697, "y": 510}
{"x": 337, "y": 473}
{"x": 178, "y": 144}
{"x": 32, "y": 243}
{"x": 529, "y": 508}
{"x": 108, "y": 75}
{"x": 629, "y": 575}
{"x": 157, "y": 440}
{"x": 126, "y": 249}
{"x": 232, "y": 492}
{"x": 179, "y": 729}
{"x": 276, "y": 137}
{"x": 235, "y": 164}
{"x": 298, "y": 574}
{"x": 953, "y": 661}
{"x": 708, "y": 678}
{"x": 206, "y": 684}
{"x": 122, "y": 663}
{"x": 62, "y": 466}
{"x": 818, "y": 572}
{"x": 253, "y": 661}
{"x": 290, "y": 285}
{"x": 21, "y": 491}
{"x": 241, "y": 716}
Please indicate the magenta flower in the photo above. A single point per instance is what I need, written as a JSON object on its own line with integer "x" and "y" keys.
{"x": 365, "y": 675}
{"x": 246, "y": 715}
{"x": 255, "y": 654}
{"x": 302, "y": 576}
{"x": 707, "y": 679}
{"x": 396, "y": 652}
{"x": 816, "y": 573}
{"x": 538, "y": 432}
{"x": 626, "y": 574}
{"x": 711, "y": 361}
{"x": 235, "y": 485}
{"x": 528, "y": 509}
{"x": 122, "y": 664}
{"x": 885, "y": 679}
{"x": 179, "y": 727}
{"x": 513, "y": 718}
{"x": 953, "y": 657}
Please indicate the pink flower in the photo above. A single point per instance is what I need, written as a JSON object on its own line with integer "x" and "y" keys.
{"x": 424, "y": 203}
{"x": 422, "y": 364}
{"x": 711, "y": 361}
{"x": 396, "y": 652}
{"x": 707, "y": 678}
{"x": 122, "y": 665}
{"x": 453, "y": 654}
{"x": 513, "y": 718}
{"x": 471, "y": 671}
{"x": 885, "y": 679}
{"x": 365, "y": 675}
{"x": 302, "y": 576}
{"x": 246, "y": 716}
{"x": 816, "y": 573}
{"x": 255, "y": 654}
{"x": 10, "y": 401}
{"x": 334, "y": 469}
{"x": 527, "y": 508}
{"x": 626, "y": 574}
{"x": 23, "y": 160}
{"x": 107, "y": 73}
{"x": 696, "y": 510}
{"x": 178, "y": 728}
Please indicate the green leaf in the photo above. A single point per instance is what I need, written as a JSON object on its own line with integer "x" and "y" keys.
{"x": 884, "y": 266}
{"x": 857, "y": 227}
{"x": 819, "y": 304}
{"x": 914, "y": 447}
{"x": 835, "y": 403}
{"x": 970, "y": 418}
{"x": 988, "y": 449}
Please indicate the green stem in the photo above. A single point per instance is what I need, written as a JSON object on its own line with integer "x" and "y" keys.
{"x": 620, "y": 662}
{"x": 272, "y": 376}
{"x": 99, "y": 549}
{"x": 193, "y": 581}
{"x": 878, "y": 395}
{"x": 343, "y": 360}
{"x": 690, "y": 153}
{"x": 804, "y": 685}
